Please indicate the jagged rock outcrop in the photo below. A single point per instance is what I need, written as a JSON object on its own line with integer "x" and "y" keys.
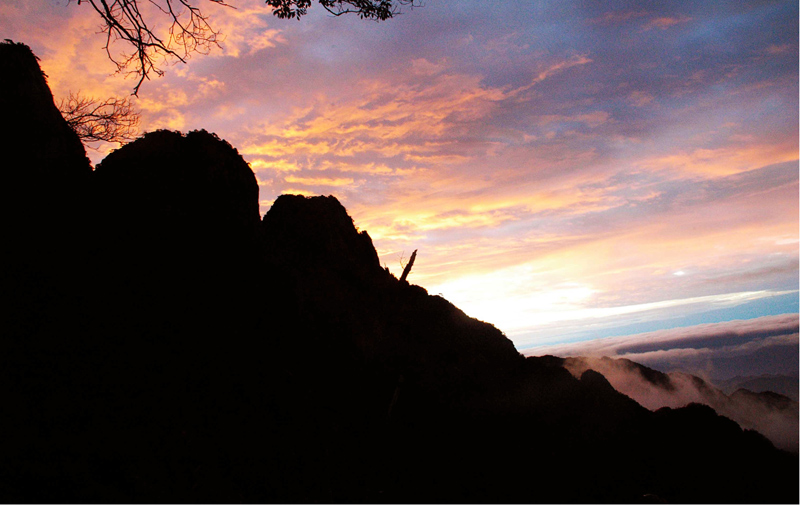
{"x": 318, "y": 233}
{"x": 335, "y": 276}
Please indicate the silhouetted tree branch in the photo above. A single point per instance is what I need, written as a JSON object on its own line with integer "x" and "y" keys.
{"x": 189, "y": 29}
{"x": 378, "y": 10}
{"x": 113, "y": 120}
{"x": 188, "y": 32}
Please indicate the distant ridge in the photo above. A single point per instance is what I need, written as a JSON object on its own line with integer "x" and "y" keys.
{"x": 787, "y": 385}
{"x": 771, "y": 414}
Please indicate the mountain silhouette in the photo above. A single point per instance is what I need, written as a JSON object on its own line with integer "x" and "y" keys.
{"x": 161, "y": 343}
{"x": 771, "y": 414}
{"x": 787, "y": 385}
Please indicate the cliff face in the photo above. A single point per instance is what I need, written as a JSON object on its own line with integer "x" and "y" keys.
{"x": 43, "y": 185}
{"x": 43, "y": 188}
{"x": 176, "y": 207}
{"x": 31, "y": 122}
{"x": 185, "y": 352}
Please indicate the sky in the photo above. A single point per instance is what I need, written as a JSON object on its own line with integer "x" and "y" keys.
{"x": 566, "y": 170}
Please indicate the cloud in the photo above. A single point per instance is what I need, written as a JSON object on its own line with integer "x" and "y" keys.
{"x": 766, "y": 344}
{"x": 724, "y": 160}
{"x": 243, "y": 30}
{"x": 384, "y": 119}
{"x": 779, "y": 49}
{"x": 640, "y": 98}
{"x": 318, "y": 181}
{"x": 664, "y": 22}
{"x": 590, "y": 119}
{"x": 421, "y": 66}
{"x": 777, "y": 420}
{"x": 560, "y": 66}
{"x": 618, "y": 17}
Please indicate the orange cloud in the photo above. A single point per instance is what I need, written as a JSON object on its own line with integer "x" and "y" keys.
{"x": 640, "y": 98}
{"x": 560, "y": 66}
{"x": 665, "y": 22}
{"x": 319, "y": 181}
{"x": 724, "y": 160}
{"x": 279, "y": 165}
{"x": 779, "y": 48}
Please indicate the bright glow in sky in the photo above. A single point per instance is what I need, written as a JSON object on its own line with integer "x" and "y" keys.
{"x": 565, "y": 169}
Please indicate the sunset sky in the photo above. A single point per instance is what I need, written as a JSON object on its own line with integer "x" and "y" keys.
{"x": 567, "y": 170}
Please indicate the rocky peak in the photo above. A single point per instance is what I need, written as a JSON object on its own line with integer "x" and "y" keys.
{"x": 196, "y": 183}
{"x": 317, "y": 231}
{"x": 32, "y": 123}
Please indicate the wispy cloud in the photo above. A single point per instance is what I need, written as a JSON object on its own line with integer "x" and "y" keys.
{"x": 560, "y": 66}
{"x": 618, "y": 17}
{"x": 665, "y": 22}
{"x": 319, "y": 181}
{"x": 767, "y": 344}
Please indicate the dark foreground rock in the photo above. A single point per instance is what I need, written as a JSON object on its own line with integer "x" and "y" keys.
{"x": 163, "y": 345}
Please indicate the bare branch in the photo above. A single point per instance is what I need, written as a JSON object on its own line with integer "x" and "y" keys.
{"x": 189, "y": 31}
{"x": 112, "y": 120}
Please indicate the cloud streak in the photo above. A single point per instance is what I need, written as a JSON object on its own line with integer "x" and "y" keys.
{"x": 756, "y": 346}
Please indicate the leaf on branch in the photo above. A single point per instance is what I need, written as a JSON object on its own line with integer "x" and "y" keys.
{"x": 378, "y": 10}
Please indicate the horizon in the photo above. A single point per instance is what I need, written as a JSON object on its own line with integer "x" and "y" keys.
{"x": 567, "y": 173}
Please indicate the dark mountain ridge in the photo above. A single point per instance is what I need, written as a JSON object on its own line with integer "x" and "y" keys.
{"x": 771, "y": 414}
{"x": 163, "y": 344}
{"x": 787, "y": 385}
